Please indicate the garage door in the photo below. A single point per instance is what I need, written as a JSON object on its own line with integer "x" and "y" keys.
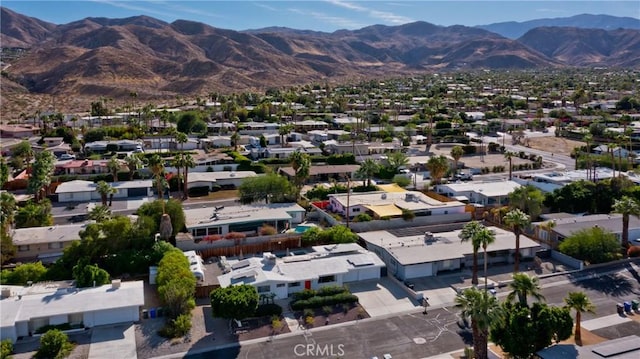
{"x": 114, "y": 316}
{"x": 350, "y": 276}
{"x": 418, "y": 270}
{"x": 368, "y": 273}
{"x": 137, "y": 192}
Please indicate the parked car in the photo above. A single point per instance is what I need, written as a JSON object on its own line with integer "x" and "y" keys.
{"x": 66, "y": 156}
{"x": 78, "y": 218}
{"x": 464, "y": 176}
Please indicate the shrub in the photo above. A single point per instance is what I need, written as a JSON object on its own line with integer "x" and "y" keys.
{"x": 331, "y": 290}
{"x": 276, "y": 323}
{"x": 305, "y": 294}
{"x": 362, "y": 217}
{"x": 408, "y": 215}
{"x": 309, "y": 321}
{"x": 268, "y": 310}
{"x": 235, "y": 235}
{"x": 327, "y": 309}
{"x": 6, "y": 349}
{"x": 54, "y": 344}
{"x": 308, "y": 313}
{"x": 267, "y": 230}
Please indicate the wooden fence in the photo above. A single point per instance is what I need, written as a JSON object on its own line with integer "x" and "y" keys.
{"x": 276, "y": 244}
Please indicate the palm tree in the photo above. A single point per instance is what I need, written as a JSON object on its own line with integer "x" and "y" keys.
{"x": 581, "y": 304}
{"x": 100, "y": 213}
{"x": 283, "y": 131}
{"x": 105, "y": 190}
{"x": 301, "y": 164}
{"x": 178, "y": 163}
{"x": 485, "y": 237}
{"x": 187, "y": 162}
{"x": 181, "y": 138}
{"x": 114, "y": 166}
{"x": 156, "y": 166}
{"x": 528, "y": 199}
{"x": 8, "y": 208}
{"x": 438, "y": 167}
{"x": 626, "y": 206}
{"x": 456, "y": 154}
{"x": 483, "y": 310}
{"x": 368, "y": 169}
{"x": 235, "y": 140}
{"x": 509, "y": 157}
{"x": 468, "y": 234}
{"x": 523, "y": 286}
{"x": 588, "y": 138}
{"x": 517, "y": 220}
{"x": 133, "y": 163}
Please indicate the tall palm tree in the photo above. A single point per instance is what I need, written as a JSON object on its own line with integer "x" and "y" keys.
{"x": 100, "y": 213}
{"x": 483, "y": 310}
{"x": 523, "y": 286}
{"x": 588, "y": 138}
{"x": 178, "y": 163}
{"x": 368, "y": 169}
{"x": 156, "y": 166}
{"x": 105, "y": 190}
{"x": 518, "y": 221}
{"x": 456, "y": 153}
{"x": 528, "y": 199}
{"x": 133, "y": 163}
{"x": 301, "y": 163}
{"x": 438, "y": 167}
{"x": 581, "y": 304}
{"x": 8, "y": 208}
{"x": 283, "y": 131}
{"x": 181, "y": 138}
{"x": 626, "y": 206}
{"x": 187, "y": 162}
{"x": 468, "y": 234}
{"x": 485, "y": 237}
{"x": 509, "y": 157}
{"x": 114, "y": 166}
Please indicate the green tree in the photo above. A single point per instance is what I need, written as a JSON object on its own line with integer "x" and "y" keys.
{"x": 368, "y": 168}
{"x": 485, "y": 237}
{"x": 395, "y": 161}
{"x": 4, "y": 172}
{"x": 528, "y": 199}
{"x": 271, "y": 188}
{"x": 156, "y": 166}
{"x": 283, "y": 131}
{"x": 24, "y": 273}
{"x": 469, "y": 234}
{"x": 54, "y": 344}
{"x": 483, "y": 310}
{"x": 133, "y": 162}
{"x": 438, "y": 167}
{"x": 579, "y": 302}
{"x": 401, "y": 180}
{"x": 524, "y": 331}
{"x": 509, "y": 155}
{"x": 517, "y": 221}
{"x": 522, "y": 287}
{"x": 176, "y": 283}
{"x": 113, "y": 165}
{"x": 7, "y": 210}
{"x": 40, "y": 177}
{"x": 301, "y": 163}
{"x": 8, "y": 248}
{"x": 626, "y": 206}
{"x": 187, "y": 122}
{"x": 456, "y": 153}
{"x": 234, "y": 302}
{"x": 23, "y": 153}
{"x": 592, "y": 245}
{"x": 34, "y": 215}
{"x": 87, "y": 275}
{"x": 154, "y": 211}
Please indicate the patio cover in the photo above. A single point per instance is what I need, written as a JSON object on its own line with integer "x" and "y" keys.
{"x": 391, "y": 188}
{"x": 385, "y": 210}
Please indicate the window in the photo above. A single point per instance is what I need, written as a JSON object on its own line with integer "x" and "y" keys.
{"x": 327, "y": 279}
{"x": 356, "y": 210}
{"x": 214, "y": 230}
{"x": 23, "y": 248}
{"x": 280, "y": 285}
{"x": 294, "y": 284}
{"x": 200, "y": 232}
{"x": 264, "y": 289}
{"x": 55, "y": 245}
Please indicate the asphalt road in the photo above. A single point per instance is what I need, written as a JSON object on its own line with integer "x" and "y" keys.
{"x": 416, "y": 335}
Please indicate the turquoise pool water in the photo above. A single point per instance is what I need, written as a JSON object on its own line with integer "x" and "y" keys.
{"x": 302, "y": 229}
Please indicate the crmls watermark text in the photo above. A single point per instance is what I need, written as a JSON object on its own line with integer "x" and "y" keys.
{"x": 318, "y": 350}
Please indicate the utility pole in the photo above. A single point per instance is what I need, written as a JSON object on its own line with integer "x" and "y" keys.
{"x": 348, "y": 197}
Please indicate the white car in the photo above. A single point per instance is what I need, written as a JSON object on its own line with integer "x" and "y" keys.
{"x": 66, "y": 156}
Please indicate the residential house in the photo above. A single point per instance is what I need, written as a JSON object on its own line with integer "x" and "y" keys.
{"x": 224, "y": 179}
{"x": 414, "y": 255}
{"x": 85, "y": 191}
{"x": 44, "y": 244}
{"x": 340, "y": 148}
{"x": 328, "y": 265}
{"x": 86, "y": 167}
{"x": 318, "y": 173}
{"x": 201, "y": 222}
{"x": 27, "y": 309}
{"x": 483, "y": 193}
{"x": 566, "y": 226}
{"x": 18, "y": 131}
{"x": 258, "y": 128}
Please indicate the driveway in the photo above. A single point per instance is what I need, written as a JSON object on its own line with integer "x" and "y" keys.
{"x": 382, "y": 297}
{"x": 114, "y": 341}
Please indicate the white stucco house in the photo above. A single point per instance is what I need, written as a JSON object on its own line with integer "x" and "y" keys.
{"x": 85, "y": 191}
{"x": 26, "y": 309}
{"x": 327, "y": 265}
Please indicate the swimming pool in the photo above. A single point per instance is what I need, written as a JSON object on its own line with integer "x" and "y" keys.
{"x": 302, "y": 228}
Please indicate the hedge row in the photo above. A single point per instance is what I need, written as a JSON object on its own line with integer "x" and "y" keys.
{"x": 268, "y": 310}
{"x": 321, "y": 301}
{"x": 322, "y": 292}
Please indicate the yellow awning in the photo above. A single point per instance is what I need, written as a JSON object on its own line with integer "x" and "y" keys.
{"x": 385, "y": 210}
{"x": 391, "y": 188}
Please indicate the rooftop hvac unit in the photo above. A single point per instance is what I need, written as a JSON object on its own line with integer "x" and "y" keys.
{"x": 6, "y": 292}
{"x": 428, "y": 237}
{"x": 115, "y": 284}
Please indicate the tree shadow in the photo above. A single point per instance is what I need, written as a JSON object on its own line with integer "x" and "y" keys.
{"x": 633, "y": 272}
{"x": 611, "y": 284}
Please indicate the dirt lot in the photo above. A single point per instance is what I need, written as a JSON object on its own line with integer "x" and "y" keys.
{"x": 557, "y": 145}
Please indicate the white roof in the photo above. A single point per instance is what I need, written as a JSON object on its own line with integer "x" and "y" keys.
{"x": 412, "y": 200}
{"x": 204, "y": 217}
{"x": 64, "y": 233}
{"x": 88, "y": 186}
{"x": 414, "y": 249}
{"x": 214, "y": 176}
{"x": 488, "y": 189}
{"x": 38, "y": 303}
{"x": 322, "y": 261}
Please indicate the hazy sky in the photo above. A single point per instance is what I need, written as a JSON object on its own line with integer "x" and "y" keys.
{"x": 329, "y": 15}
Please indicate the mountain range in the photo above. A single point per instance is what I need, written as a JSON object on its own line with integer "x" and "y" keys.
{"x": 112, "y": 57}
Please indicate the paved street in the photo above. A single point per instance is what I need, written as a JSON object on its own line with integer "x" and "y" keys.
{"x": 415, "y": 335}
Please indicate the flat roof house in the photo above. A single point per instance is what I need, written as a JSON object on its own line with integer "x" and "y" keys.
{"x": 565, "y": 227}
{"x": 202, "y": 222}
{"x": 85, "y": 191}
{"x": 318, "y": 173}
{"x": 427, "y": 254}
{"x": 223, "y": 179}
{"x": 484, "y": 193}
{"x": 26, "y": 309}
{"x": 44, "y": 244}
{"x": 327, "y": 265}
